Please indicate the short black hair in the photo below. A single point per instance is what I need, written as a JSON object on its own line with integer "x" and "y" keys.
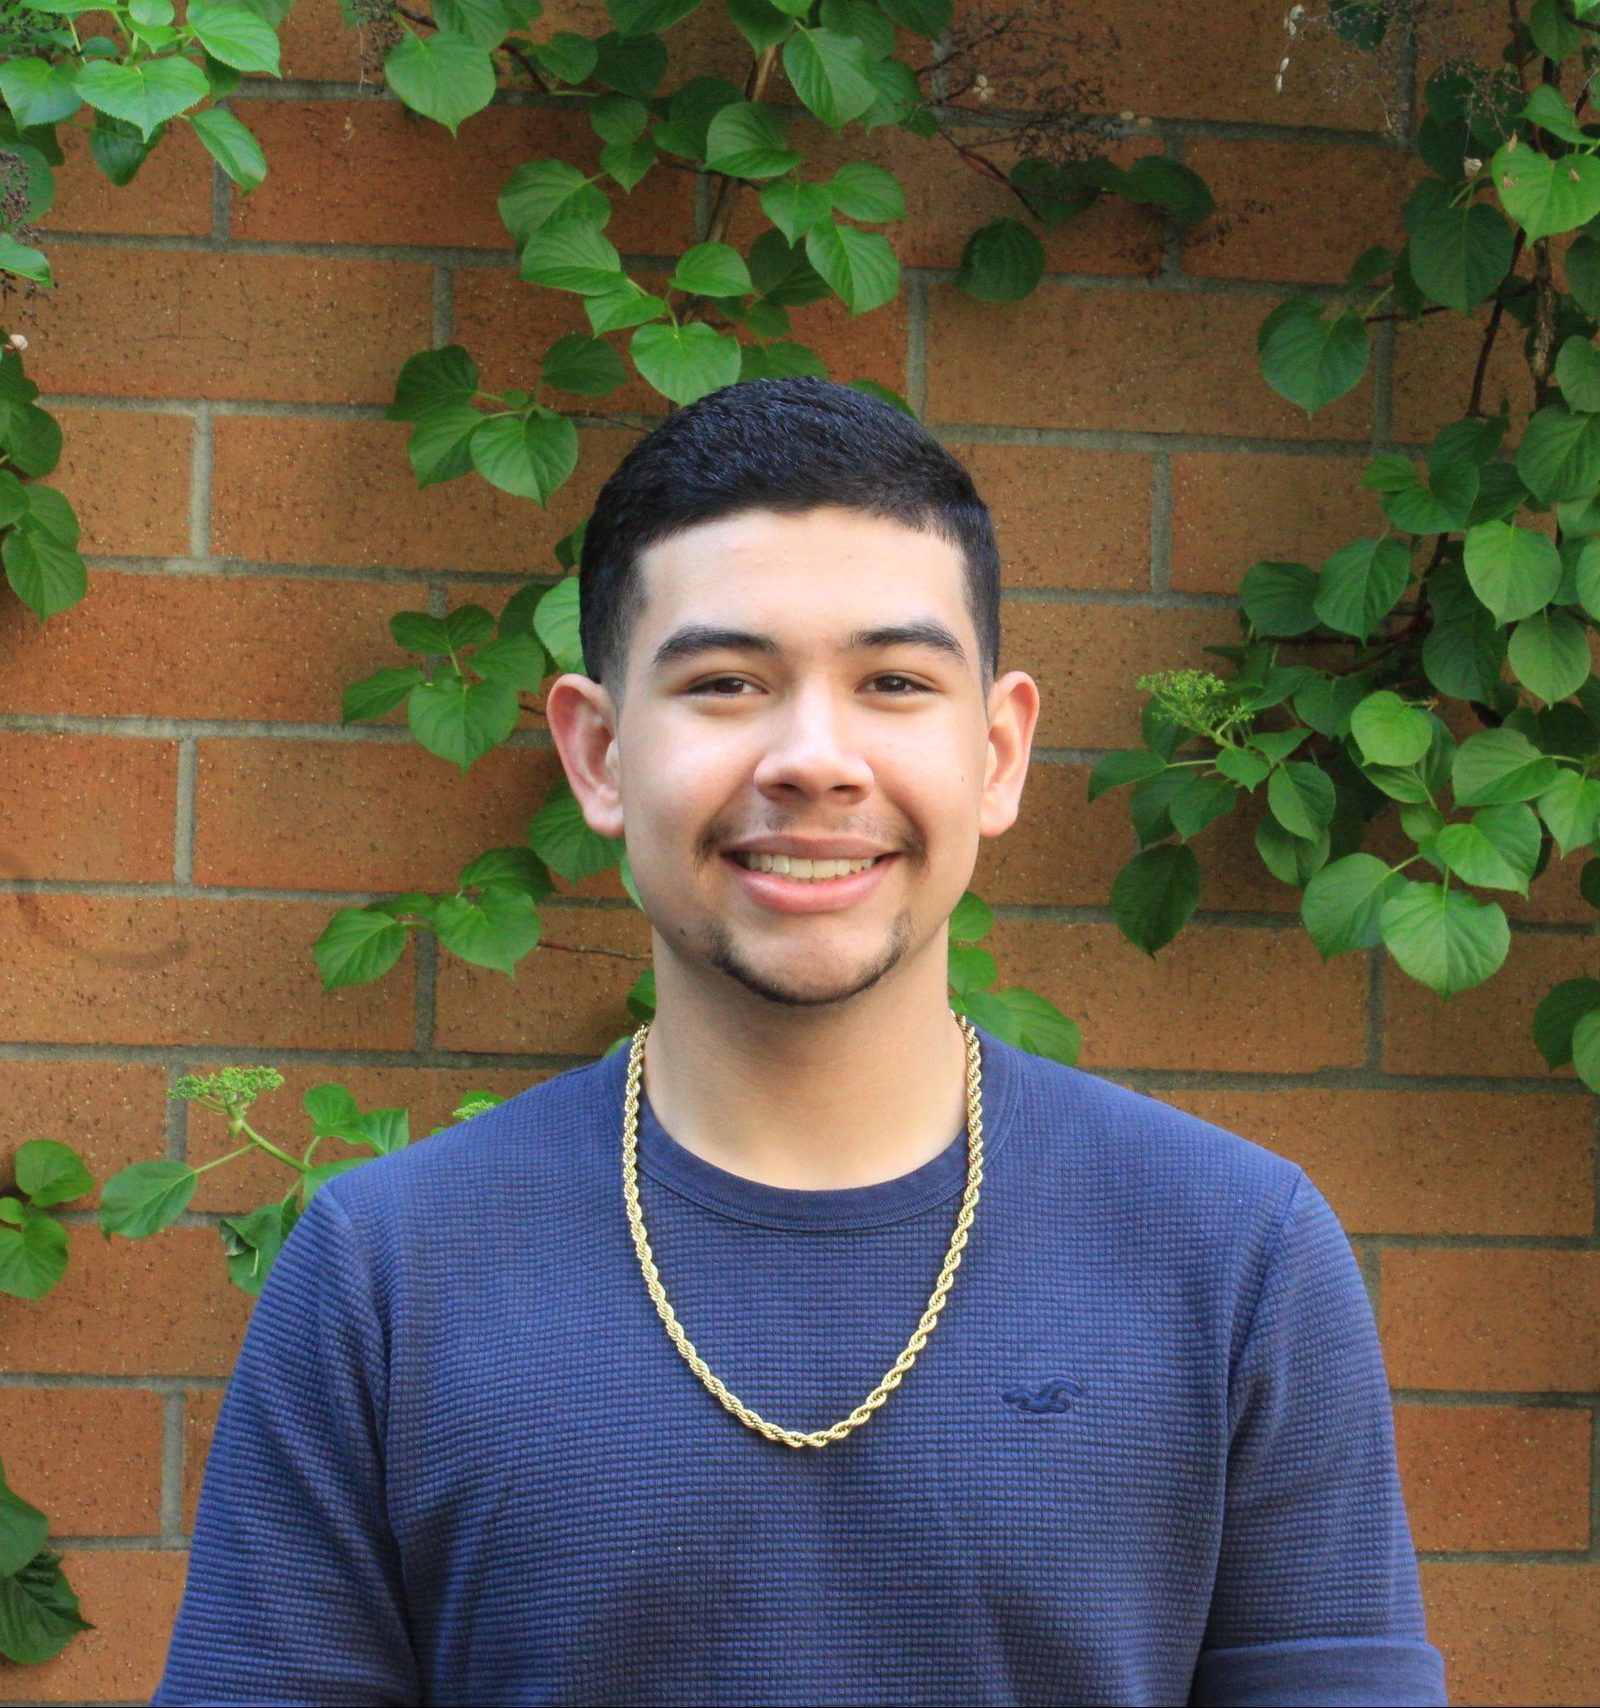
{"x": 787, "y": 445}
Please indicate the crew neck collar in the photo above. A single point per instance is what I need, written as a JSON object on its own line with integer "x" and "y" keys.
{"x": 668, "y": 1163}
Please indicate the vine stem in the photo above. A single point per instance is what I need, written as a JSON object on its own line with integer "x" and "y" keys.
{"x": 591, "y": 949}
{"x": 755, "y": 87}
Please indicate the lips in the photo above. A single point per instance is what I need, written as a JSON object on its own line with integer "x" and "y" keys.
{"x": 796, "y": 893}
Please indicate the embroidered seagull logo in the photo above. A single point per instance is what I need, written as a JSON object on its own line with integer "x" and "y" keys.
{"x": 1053, "y": 1394}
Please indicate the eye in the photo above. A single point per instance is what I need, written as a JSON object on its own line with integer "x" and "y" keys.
{"x": 721, "y": 687}
{"x": 897, "y": 685}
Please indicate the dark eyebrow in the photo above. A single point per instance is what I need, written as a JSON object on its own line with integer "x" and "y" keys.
{"x": 926, "y": 634}
{"x": 695, "y": 638}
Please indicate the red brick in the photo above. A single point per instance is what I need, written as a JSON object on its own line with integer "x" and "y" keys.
{"x": 169, "y": 197}
{"x": 1192, "y": 59}
{"x": 1513, "y": 1633}
{"x": 1128, "y": 360}
{"x": 1504, "y": 1477}
{"x": 1285, "y": 1012}
{"x": 368, "y": 172}
{"x": 1295, "y": 210}
{"x": 1230, "y": 511}
{"x": 1434, "y": 362}
{"x": 111, "y": 1113}
{"x": 131, "y": 1598}
{"x": 209, "y": 647}
{"x": 1064, "y": 850}
{"x": 1433, "y": 1162}
{"x": 318, "y": 46}
{"x": 87, "y": 807}
{"x": 342, "y": 492}
{"x": 1513, "y": 1321}
{"x": 430, "y": 1094}
{"x": 509, "y": 325}
{"x": 200, "y": 1409}
{"x": 280, "y": 328}
{"x": 1086, "y": 659}
{"x": 102, "y": 970}
{"x": 162, "y": 1305}
{"x": 88, "y": 1457}
{"x": 268, "y": 813}
{"x": 869, "y": 346}
{"x": 1486, "y": 1030}
{"x": 127, "y": 474}
{"x": 1066, "y": 518}
{"x": 562, "y": 1003}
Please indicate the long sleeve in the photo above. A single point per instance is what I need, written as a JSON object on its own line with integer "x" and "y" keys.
{"x": 294, "y": 1590}
{"x": 1316, "y": 1597}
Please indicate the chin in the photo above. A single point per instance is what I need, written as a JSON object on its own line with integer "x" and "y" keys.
{"x": 779, "y": 980}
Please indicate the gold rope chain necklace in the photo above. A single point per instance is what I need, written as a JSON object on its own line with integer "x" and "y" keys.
{"x": 919, "y": 1339}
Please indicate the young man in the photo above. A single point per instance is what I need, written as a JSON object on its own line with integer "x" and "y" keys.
{"x": 815, "y": 1350}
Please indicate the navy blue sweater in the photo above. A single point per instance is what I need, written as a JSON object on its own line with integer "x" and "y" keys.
{"x": 1147, "y": 1456}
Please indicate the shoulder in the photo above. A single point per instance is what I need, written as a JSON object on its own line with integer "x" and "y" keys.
{"x": 1138, "y": 1154}
{"x": 527, "y": 1144}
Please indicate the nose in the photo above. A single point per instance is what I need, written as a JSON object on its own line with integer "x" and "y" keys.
{"x": 813, "y": 750}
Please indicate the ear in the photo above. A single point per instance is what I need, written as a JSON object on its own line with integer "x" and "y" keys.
{"x": 1013, "y": 715}
{"x": 583, "y": 725}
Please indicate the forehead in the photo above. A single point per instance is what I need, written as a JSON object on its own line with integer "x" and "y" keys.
{"x": 823, "y": 570}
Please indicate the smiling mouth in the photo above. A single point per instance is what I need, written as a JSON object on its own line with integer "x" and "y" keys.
{"x": 806, "y": 871}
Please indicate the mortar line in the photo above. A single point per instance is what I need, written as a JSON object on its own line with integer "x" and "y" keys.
{"x": 295, "y": 90}
{"x": 374, "y": 575}
{"x": 425, "y": 988}
{"x": 916, "y": 371}
{"x": 221, "y": 204}
{"x": 1383, "y": 388}
{"x": 1161, "y": 530}
{"x": 172, "y": 1415}
{"x": 184, "y": 817}
{"x": 444, "y": 306}
{"x": 149, "y": 1383}
{"x": 202, "y": 460}
{"x": 224, "y": 729}
{"x": 1171, "y": 232}
{"x": 1376, "y": 993}
{"x": 175, "y": 1118}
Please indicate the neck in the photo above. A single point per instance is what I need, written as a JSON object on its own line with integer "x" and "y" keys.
{"x": 814, "y": 1099}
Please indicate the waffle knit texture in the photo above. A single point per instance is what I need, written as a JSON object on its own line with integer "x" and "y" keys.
{"x": 1146, "y": 1457}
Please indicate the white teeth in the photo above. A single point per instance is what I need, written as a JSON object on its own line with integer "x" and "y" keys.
{"x": 791, "y": 866}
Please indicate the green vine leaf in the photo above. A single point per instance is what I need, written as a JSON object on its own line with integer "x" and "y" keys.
{"x": 1002, "y": 262}
{"x": 747, "y": 140}
{"x": 145, "y": 95}
{"x": 831, "y": 73}
{"x": 685, "y": 362}
{"x": 1309, "y": 359}
{"x": 38, "y": 93}
{"x": 357, "y": 946}
{"x": 1388, "y": 731}
{"x": 1444, "y": 938}
{"x": 1459, "y": 255}
{"x": 1154, "y": 894}
{"x": 1361, "y": 584}
{"x": 566, "y": 844}
{"x": 860, "y": 190}
{"x": 49, "y": 1172}
{"x": 1279, "y": 598}
{"x": 556, "y": 623}
{"x": 232, "y": 146}
{"x": 38, "y": 1611}
{"x": 235, "y": 36}
{"x": 1546, "y": 196}
{"x": 146, "y": 1197}
{"x": 496, "y": 930}
{"x": 1557, "y": 1015}
{"x": 461, "y": 721}
{"x": 527, "y": 456}
{"x": 1497, "y": 766}
{"x": 1549, "y": 652}
{"x": 23, "y": 1529}
{"x": 1514, "y": 571}
{"x": 859, "y": 265}
{"x": 33, "y": 1250}
{"x": 446, "y": 77}
{"x": 1343, "y": 901}
{"x": 543, "y": 192}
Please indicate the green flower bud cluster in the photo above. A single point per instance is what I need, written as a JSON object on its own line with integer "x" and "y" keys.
{"x": 1197, "y": 699}
{"x": 230, "y": 1091}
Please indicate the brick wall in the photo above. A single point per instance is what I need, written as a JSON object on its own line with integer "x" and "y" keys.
{"x": 180, "y": 810}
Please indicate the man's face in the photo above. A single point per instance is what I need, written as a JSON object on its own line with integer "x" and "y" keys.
{"x": 804, "y": 689}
